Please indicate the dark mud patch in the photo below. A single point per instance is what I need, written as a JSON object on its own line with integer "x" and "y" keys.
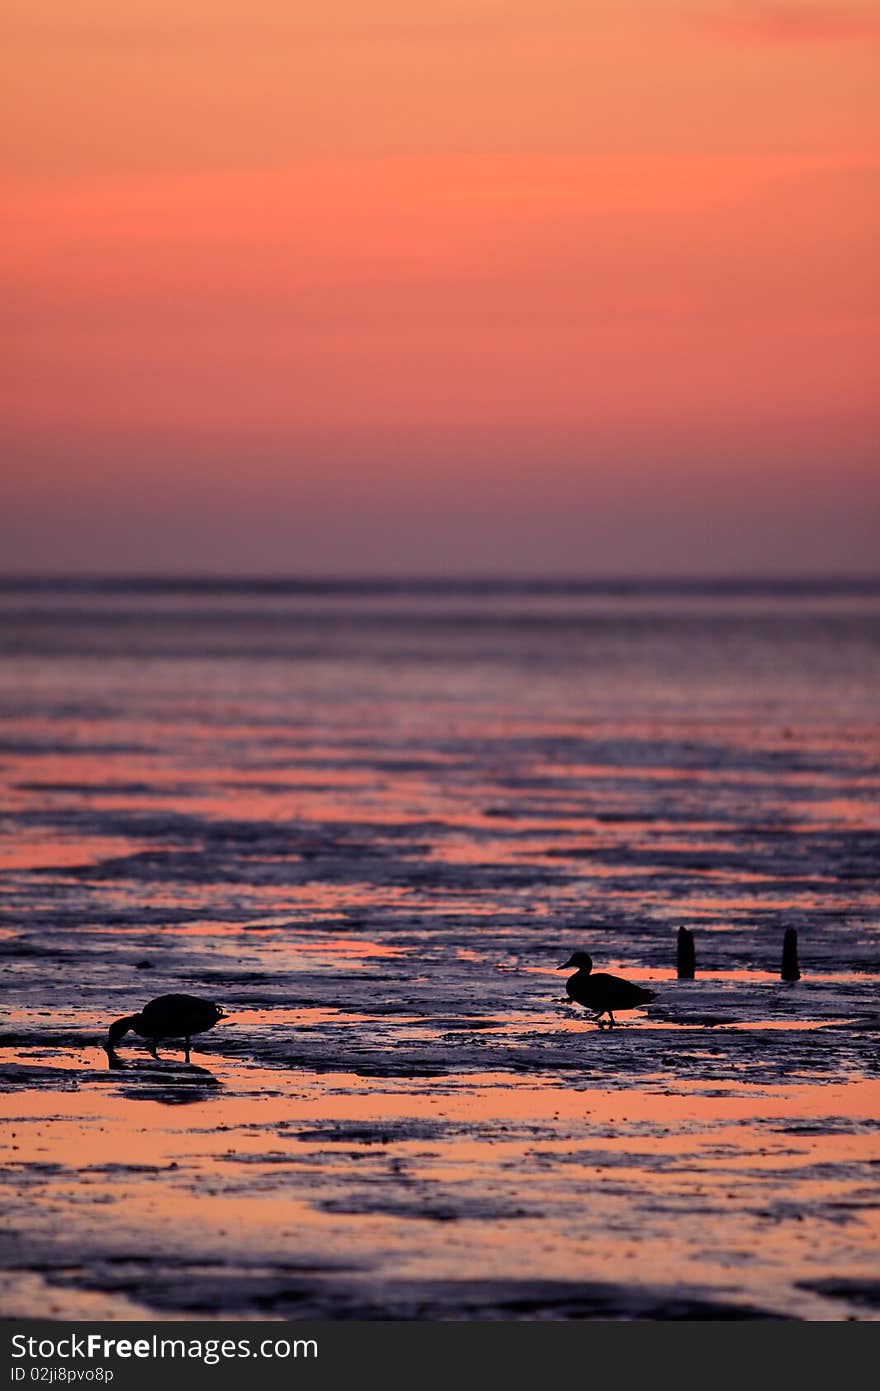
{"x": 26, "y": 1076}
{"x": 66, "y": 1039}
{"x": 425, "y": 1208}
{"x": 200, "y": 1290}
{"x": 389, "y": 1133}
{"x": 301, "y": 1293}
{"x": 864, "y": 1293}
{"x": 831, "y": 1125}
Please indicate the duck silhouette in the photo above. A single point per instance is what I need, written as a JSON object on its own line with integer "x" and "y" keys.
{"x": 168, "y": 1016}
{"x": 600, "y": 992}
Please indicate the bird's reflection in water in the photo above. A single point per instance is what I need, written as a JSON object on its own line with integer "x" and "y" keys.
{"x": 172, "y": 1086}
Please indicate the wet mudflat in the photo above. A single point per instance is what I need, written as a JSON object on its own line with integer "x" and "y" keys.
{"x": 372, "y": 836}
{"x": 239, "y": 1190}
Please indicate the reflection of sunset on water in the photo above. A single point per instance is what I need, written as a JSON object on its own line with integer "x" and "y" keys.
{"x": 374, "y": 858}
{"x": 276, "y": 1169}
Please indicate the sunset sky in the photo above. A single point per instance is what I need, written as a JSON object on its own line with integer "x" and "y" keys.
{"x": 440, "y": 286}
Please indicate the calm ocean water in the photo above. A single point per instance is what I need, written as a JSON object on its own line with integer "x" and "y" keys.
{"x": 505, "y": 762}
{"x": 371, "y": 822}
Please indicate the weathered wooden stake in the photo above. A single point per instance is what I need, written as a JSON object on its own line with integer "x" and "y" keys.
{"x": 686, "y": 958}
{"x": 790, "y": 968}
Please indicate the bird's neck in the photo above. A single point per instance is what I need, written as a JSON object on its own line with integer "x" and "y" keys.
{"x": 120, "y": 1028}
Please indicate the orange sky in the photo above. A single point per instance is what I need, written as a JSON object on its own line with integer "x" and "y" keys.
{"x": 455, "y": 285}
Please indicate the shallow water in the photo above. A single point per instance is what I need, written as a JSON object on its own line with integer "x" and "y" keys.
{"x": 371, "y": 824}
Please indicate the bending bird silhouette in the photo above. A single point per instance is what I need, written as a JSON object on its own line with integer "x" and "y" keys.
{"x": 600, "y": 992}
{"x": 168, "y": 1016}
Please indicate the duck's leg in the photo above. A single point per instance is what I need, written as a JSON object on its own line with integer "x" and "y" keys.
{"x": 610, "y": 1020}
{"x": 186, "y": 1041}
{"x": 151, "y": 1048}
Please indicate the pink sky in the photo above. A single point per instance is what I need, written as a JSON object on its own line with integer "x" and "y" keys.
{"x": 481, "y": 287}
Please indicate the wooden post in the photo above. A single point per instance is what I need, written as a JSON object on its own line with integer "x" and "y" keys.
{"x": 686, "y": 959}
{"x": 790, "y": 968}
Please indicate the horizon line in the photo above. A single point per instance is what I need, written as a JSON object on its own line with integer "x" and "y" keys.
{"x": 377, "y": 582}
